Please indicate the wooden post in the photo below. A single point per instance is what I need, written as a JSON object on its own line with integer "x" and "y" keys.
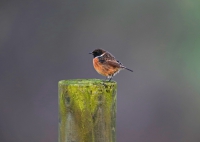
{"x": 87, "y": 110}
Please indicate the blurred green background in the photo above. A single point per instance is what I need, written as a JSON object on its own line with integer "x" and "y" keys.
{"x": 42, "y": 42}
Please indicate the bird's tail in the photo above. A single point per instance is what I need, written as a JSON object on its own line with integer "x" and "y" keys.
{"x": 128, "y": 69}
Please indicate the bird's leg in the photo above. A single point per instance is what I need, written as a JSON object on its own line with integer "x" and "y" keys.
{"x": 110, "y": 78}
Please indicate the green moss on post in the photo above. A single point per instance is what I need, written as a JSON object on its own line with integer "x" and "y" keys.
{"x": 87, "y": 110}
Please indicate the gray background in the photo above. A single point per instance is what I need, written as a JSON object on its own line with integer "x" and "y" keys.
{"x": 42, "y": 42}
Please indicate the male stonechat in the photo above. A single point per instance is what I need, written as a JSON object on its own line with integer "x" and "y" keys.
{"x": 106, "y": 64}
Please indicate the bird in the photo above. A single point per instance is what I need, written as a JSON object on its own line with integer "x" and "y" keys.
{"x": 106, "y": 64}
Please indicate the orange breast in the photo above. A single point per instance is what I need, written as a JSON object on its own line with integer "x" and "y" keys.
{"x": 104, "y": 69}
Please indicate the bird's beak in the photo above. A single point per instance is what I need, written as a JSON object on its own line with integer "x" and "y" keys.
{"x": 90, "y": 53}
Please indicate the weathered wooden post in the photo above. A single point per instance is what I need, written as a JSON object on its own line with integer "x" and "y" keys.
{"x": 87, "y": 110}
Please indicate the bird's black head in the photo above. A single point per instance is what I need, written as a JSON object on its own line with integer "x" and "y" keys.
{"x": 97, "y": 52}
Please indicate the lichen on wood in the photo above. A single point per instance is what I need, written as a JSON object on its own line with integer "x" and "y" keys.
{"x": 87, "y": 110}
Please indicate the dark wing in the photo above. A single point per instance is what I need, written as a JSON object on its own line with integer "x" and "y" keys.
{"x": 108, "y": 56}
{"x": 109, "y": 59}
{"x": 113, "y": 63}
{"x": 109, "y": 62}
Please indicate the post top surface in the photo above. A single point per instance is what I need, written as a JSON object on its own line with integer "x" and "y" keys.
{"x": 85, "y": 81}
